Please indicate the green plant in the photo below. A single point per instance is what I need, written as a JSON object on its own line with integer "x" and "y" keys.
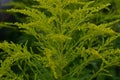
{"x": 66, "y": 43}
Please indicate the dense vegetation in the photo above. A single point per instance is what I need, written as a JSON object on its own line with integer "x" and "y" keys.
{"x": 61, "y": 40}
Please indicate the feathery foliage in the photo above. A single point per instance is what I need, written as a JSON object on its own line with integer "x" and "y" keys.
{"x": 67, "y": 43}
